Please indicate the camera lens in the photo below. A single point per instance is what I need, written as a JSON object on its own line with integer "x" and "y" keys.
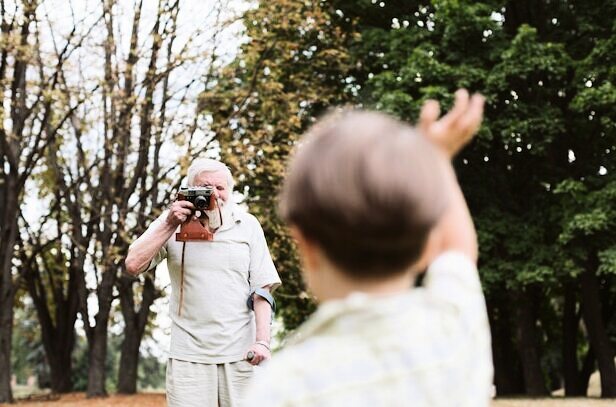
{"x": 201, "y": 202}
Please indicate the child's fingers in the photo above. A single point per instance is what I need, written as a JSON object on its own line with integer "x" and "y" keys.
{"x": 457, "y": 127}
{"x": 429, "y": 114}
{"x": 469, "y": 123}
{"x": 451, "y": 120}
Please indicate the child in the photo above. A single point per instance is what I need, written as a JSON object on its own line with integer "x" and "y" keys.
{"x": 371, "y": 203}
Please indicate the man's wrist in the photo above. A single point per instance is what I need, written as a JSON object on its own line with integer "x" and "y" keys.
{"x": 264, "y": 344}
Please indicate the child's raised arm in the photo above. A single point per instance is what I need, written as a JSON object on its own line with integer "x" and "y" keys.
{"x": 455, "y": 231}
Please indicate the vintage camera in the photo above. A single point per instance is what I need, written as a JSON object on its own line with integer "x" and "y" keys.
{"x": 195, "y": 229}
{"x": 201, "y": 197}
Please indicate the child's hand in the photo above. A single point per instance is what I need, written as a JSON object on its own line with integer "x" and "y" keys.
{"x": 454, "y": 130}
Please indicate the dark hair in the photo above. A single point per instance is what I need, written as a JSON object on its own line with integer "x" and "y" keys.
{"x": 367, "y": 189}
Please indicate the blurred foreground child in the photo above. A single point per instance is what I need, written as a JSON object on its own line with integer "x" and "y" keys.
{"x": 373, "y": 202}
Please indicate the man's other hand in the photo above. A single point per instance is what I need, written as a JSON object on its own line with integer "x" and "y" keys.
{"x": 179, "y": 212}
{"x": 259, "y": 353}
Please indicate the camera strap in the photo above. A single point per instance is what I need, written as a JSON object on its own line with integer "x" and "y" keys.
{"x": 181, "y": 281}
{"x": 214, "y": 216}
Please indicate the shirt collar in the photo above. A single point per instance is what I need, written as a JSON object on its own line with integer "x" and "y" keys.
{"x": 230, "y": 216}
{"x": 354, "y": 309}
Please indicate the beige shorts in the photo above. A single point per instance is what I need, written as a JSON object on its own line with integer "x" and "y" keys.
{"x": 204, "y": 385}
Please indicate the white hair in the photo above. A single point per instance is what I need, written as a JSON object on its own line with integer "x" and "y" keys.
{"x": 200, "y": 165}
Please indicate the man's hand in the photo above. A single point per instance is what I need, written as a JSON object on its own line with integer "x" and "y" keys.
{"x": 259, "y": 353}
{"x": 454, "y": 130}
{"x": 179, "y": 212}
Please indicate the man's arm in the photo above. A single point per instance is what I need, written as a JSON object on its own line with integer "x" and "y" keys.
{"x": 143, "y": 250}
{"x": 263, "y": 321}
{"x": 450, "y": 134}
{"x": 263, "y": 318}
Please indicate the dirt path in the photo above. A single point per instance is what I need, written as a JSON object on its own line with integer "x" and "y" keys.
{"x": 158, "y": 400}
{"x": 79, "y": 399}
{"x": 553, "y": 402}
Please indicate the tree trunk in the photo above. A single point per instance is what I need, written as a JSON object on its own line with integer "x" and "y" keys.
{"x": 59, "y": 356}
{"x": 61, "y": 363}
{"x": 65, "y": 333}
{"x": 588, "y": 367}
{"x": 57, "y": 334}
{"x": 7, "y": 289}
{"x": 98, "y": 337}
{"x": 60, "y": 373}
{"x": 129, "y": 361}
{"x": 571, "y": 320}
{"x": 525, "y": 329}
{"x": 96, "y": 358}
{"x": 135, "y": 322}
{"x": 6, "y": 332}
{"x": 507, "y": 377}
{"x": 597, "y": 335}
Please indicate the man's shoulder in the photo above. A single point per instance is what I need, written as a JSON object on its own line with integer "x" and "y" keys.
{"x": 452, "y": 275}
{"x": 240, "y": 213}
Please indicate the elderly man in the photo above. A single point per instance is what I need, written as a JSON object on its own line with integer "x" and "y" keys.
{"x": 220, "y": 303}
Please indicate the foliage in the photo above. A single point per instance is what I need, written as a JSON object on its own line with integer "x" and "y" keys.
{"x": 99, "y": 147}
{"x": 96, "y": 131}
{"x": 539, "y": 177}
{"x": 151, "y": 372}
{"x": 294, "y": 66}
{"x": 27, "y": 358}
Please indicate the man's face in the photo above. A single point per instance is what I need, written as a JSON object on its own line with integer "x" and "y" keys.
{"x": 216, "y": 180}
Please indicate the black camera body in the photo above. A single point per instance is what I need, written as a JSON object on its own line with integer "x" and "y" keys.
{"x": 196, "y": 229}
{"x": 201, "y": 197}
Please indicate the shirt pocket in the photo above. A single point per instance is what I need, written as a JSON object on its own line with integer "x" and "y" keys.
{"x": 239, "y": 258}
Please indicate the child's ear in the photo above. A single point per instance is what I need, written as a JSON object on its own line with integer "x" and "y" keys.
{"x": 308, "y": 250}
{"x": 432, "y": 249}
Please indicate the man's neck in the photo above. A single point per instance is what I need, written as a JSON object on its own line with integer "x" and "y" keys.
{"x": 218, "y": 218}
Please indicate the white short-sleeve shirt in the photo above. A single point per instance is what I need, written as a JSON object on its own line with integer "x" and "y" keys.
{"x": 215, "y": 324}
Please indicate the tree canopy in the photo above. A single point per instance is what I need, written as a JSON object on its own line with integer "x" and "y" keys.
{"x": 101, "y": 116}
{"x": 539, "y": 177}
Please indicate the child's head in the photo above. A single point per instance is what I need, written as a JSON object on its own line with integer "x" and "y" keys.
{"x": 367, "y": 190}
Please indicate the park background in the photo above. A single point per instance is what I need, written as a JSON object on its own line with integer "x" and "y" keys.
{"x": 104, "y": 104}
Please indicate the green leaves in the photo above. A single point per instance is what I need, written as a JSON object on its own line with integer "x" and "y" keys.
{"x": 528, "y": 58}
{"x": 586, "y": 224}
{"x": 589, "y": 215}
{"x": 572, "y": 187}
{"x": 295, "y": 66}
{"x": 532, "y": 174}
{"x": 595, "y": 98}
{"x": 607, "y": 261}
